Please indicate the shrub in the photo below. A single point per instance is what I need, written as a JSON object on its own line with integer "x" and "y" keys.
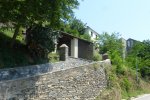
{"x": 86, "y": 36}
{"x": 53, "y": 57}
{"x": 97, "y": 56}
{"x": 40, "y": 42}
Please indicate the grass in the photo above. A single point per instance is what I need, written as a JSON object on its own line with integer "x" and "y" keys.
{"x": 124, "y": 85}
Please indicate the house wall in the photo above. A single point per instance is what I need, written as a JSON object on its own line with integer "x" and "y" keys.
{"x": 77, "y": 83}
{"x": 91, "y": 33}
{"x": 85, "y": 50}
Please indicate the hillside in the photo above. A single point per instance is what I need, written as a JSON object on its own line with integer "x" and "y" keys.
{"x": 123, "y": 86}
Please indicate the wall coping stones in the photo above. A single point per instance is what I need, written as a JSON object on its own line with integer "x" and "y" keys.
{"x": 34, "y": 70}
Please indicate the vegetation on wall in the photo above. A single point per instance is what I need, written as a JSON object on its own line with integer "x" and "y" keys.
{"x": 122, "y": 76}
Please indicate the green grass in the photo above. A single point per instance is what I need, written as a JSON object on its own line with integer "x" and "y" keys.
{"x": 53, "y": 57}
{"x": 124, "y": 85}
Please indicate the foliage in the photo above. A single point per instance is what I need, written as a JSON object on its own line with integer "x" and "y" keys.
{"x": 77, "y": 28}
{"x": 86, "y": 37}
{"x": 122, "y": 76}
{"x": 76, "y": 24}
{"x": 12, "y": 57}
{"x": 140, "y": 55}
{"x": 26, "y": 13}
{"x": 41, "y": 41}
{"x": 53, "y": 57}
{"x": 112, "y": 45}
{"x": 97, "y": 56}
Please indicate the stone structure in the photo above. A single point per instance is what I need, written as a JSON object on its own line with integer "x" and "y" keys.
{"x": 63, "y": 53}
{"x": 76, "y": 83}
{"x": 105, "y": 56}
{"x": 78, "y": 48}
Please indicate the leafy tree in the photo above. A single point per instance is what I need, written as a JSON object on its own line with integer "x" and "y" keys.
{"x": 140, "y": 54}
{"x": 40, "y": 42}
{"x": 75, "y": 26}
{"x": 112, "y": 45}
{"x": 26, "y": 13}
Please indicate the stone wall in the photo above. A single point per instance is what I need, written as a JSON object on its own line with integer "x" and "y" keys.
{"x": 75, "y": 83}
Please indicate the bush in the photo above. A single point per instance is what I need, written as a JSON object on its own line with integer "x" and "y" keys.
{"x": 40, "y": 42}
{"x": 53, "y": 57}
{"x": 86, "y": 36}
{"x": 97, "y": 56}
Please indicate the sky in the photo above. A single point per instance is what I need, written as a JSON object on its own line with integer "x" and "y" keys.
{"x": 131, "y": 18}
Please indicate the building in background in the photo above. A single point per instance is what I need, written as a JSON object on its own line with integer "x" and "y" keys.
{"x": 124, "y": 48}
{"x": 130, "y": 43}
{"x": 93, "y": 34}
{"x": 127, "y": 46}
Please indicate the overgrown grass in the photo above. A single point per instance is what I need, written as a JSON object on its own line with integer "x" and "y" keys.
{"x": 97, "y": 56}
{"x": 122, "y": 84}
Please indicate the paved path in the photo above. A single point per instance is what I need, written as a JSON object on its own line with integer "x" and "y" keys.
{"x": 143, "y": 97}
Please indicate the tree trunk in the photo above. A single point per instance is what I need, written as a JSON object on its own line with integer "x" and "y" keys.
{"x": 15, "y": 35}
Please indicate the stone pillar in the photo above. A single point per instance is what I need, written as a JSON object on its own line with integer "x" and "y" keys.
{"x": 63, "y": 53}
{"x": 74, "y": 48}
{"x": 105, "y": 56}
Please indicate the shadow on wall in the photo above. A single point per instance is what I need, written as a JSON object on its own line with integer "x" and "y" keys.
{"x": 22, "y": 83}
{"x": 80, "y": 83}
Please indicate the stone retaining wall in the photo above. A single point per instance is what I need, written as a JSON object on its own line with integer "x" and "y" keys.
{"x": 76, "y": 83}
{"x": 28, "y": 71}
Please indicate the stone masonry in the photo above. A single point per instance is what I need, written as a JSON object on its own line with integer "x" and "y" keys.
{"x": 82, "y": 82}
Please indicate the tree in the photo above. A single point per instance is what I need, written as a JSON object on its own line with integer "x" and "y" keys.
{"x": 40, "y": 42}
{"x": 140, "y": 51}
{"x": 75, "y": 26}
{"x": 112, "y": 45}
{"x": 26, "y": 13}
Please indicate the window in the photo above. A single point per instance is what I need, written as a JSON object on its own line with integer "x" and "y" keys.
{"x": 96, "y": 36}
{"x": 128, "y": 43}
{"x": 91, "y": 33}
